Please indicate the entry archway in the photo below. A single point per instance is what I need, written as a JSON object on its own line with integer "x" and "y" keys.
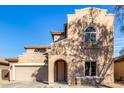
{"x": 60, "y": 71}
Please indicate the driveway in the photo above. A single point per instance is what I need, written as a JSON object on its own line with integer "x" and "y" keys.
{"x": 30, "y": 85}
{"x": 6, "y": 84}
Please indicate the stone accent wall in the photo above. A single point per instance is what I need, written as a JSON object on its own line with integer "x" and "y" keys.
{"x": 77, "y": 52}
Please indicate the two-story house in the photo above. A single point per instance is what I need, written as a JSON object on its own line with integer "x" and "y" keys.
{"x": 82, "y": 53}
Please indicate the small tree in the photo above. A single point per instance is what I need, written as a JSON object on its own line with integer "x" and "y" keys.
{"x": 119, "y": 14}
{"x": 122, "y": 52}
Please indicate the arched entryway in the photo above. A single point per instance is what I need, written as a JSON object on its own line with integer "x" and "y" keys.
{"x": 60, "y": 71}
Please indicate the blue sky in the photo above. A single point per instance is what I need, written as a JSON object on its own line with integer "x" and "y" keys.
{"x": 31, "y": 25}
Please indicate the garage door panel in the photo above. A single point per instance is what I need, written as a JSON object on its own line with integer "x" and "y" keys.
{"x": 29, "y": 73}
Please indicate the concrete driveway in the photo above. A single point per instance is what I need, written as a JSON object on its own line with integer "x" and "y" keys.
{"x": 7, "y": 84}
{"x": 30, "y": 85}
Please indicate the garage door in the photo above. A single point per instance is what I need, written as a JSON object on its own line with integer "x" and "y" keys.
{"x": 30, "y": 73}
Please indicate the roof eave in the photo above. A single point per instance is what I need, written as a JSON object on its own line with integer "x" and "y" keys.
{"x": 13, "y": 60}
{"x": 37, "y": 47}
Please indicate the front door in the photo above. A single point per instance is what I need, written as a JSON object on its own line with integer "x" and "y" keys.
{"x": 60, "y": 71}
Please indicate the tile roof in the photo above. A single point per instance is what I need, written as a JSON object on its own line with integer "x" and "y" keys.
{"x": 12, "y": 59}
{"x": 3, "y": 60}
{"x": 118, "y": 59}
{"x": 36, "y": 47}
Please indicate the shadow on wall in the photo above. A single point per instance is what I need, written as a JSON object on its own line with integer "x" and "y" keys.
{"x": 41, "y": 75}
{"x": 5, "y": 74}
{"x": 103, "y": 48}
{"x": 101, "y": 51}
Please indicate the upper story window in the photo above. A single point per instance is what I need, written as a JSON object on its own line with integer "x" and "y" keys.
{"x": 39, "y": 50}
{"x": 90, "y": 35}
{"x": 58, "y": 38}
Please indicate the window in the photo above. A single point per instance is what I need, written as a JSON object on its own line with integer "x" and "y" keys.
{"x": 39, "y": 50}
{"x": 90, "y": 68}
{"x": 59, "y": 38}
{"x": 90, "y": 35}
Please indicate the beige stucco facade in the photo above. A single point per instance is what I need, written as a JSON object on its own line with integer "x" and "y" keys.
{"x": 74, "y": 51}
{"x": 65, "y": 59}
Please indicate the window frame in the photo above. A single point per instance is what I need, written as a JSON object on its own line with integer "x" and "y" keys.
{"x": 91, "y": 42}
{"x": 90, "y": 72}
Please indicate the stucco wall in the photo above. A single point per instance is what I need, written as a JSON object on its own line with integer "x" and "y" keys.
{"x": 4, "y": 66}
{"x": 119, "y": 70}
{"x": 32, "y": 57}
{"x": 75, "y": 50}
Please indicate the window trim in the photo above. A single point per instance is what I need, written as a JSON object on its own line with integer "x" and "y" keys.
{"x": 90, "y": 68}
{"x": 90, "y": 34}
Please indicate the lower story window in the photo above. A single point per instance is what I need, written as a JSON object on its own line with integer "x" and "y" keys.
{"x": 90, "y": 68}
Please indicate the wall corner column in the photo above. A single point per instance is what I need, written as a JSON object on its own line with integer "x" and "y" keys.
{"x": 50, "y": 73}
{"x": 12, "y": 72}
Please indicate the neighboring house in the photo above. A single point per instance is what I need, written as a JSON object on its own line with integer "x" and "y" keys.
{"x": 4, "y": 69}
{"x": 119, "y": 68}
{"x": 82, "y": 53}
